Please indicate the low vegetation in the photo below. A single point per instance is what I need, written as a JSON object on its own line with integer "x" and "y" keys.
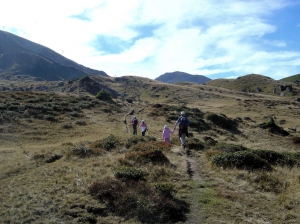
{"x": 69, "y": 158}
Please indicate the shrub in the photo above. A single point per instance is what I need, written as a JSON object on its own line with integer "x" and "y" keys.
{"x": 221, "y": 120}
{"x": 81, "y": 151}
{"x": 108, "y": 143}
{"x": 268, "y": 182}
{"x": 274, "y": 129}
{"x": 66, "y": 126}
{"x": 155, "y": 156}
{"x": 296, "y": 140}
{"x": 104, "y": 95}
{"x": 53, "y": 158}
{"x": 74, "y": 114}
{"x": 195, "y": 143}
{"x": 273, "y": 157}
{"x": 166, "y": 189}
{"x": 225, "y": 147}
{"x": 129, "y": 173}
{"x": 49, "y": 117}
{"x": 140, "y": 200}
{"x": 199, "y": 124}
{"x": 3, "y": 106}
{"x": 136, "y": 139}
{"x": 241, "y": 160}
{"x": 80, "y": 122}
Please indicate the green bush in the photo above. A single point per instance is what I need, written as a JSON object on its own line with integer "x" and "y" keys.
{"x": 129, "y": 173}
{"x": 229, "y": 148}
{"x": 104, "y": 95}
{"x": 194, "y": 143}
{"x": 108, "y": 143}
{"x": 275, "y": 158}
{"x": 241, "y": 160}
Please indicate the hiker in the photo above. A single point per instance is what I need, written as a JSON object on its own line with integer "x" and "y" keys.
{"x": 166, "y": 134}
{"x": 144, "y": 128}
{"x": 134, "y": 123}
{"x": 183, "y": 123}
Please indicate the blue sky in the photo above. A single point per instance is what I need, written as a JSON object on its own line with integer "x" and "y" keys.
{"x": 147, "y": 38}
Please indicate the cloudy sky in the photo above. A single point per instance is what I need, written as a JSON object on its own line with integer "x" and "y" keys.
{"x": 147, "y": 38}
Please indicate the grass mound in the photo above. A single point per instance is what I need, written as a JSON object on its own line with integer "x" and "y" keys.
{"x": 221, "y": 121}
{"x": 129, "y": 173}
{"x": 136, "y": 139}
{"x": 241, "y": 160}
{"x": 140, "y": 200}
{"x": 194, "y": 143}
{"x": 155, "y": 156}
{"x": 108, "y": 143}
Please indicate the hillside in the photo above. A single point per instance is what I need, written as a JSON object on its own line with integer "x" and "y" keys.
{"x": 174, "y": 77}
{"x": 67, "y": 157}
{"x": 23, "y": 59}
{"x": 255, "y": 83}
{"x": 293, "y": 78}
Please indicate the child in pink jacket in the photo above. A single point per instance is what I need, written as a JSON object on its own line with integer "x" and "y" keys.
{"x": 166, "y": 134}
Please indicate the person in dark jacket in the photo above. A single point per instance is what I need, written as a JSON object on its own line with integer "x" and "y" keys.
{"x": 183, "y": 123}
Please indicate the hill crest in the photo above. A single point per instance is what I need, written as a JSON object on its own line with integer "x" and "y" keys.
{"x": 23, "y": 59}
{"x": 174, "y": 77}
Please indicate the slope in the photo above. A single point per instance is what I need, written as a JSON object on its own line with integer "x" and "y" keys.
{"x": 19, "y": 56}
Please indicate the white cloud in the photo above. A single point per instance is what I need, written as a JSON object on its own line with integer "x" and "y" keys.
{"x": 199, "y": 37}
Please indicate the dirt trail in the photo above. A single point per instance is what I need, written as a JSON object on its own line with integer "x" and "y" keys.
{"x": 192, "y": 169}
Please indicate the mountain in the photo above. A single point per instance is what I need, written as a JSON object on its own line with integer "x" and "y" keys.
{"x": 174, "y": 77}
{"x": 24, "y": 59}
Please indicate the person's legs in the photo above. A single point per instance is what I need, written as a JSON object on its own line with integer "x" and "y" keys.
{"x": 143, "y": 133}
{"x": 182, "y": 139}
{"x": 167, "y": 140}
{"x": 134, "y": 130}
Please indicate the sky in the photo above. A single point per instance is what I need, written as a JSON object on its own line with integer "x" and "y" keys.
{"x": 147, "y": 38}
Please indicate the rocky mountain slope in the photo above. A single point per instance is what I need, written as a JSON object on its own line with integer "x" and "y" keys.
{"x": 24, "y": 59}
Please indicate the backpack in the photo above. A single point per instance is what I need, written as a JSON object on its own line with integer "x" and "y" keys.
{"x": 183, "y": 123}
{"x": 134, "y": 121}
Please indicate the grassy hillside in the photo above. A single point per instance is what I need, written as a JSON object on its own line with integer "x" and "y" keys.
{"x": 291, "y": 78}
{"x": 67, "y": 157}
{"x": 254, "y": 83}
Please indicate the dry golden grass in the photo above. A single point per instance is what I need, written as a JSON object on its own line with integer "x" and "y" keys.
{"x": 34, "y": 191}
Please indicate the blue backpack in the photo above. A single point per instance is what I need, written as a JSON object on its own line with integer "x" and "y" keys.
{"x": 183, "y": 122}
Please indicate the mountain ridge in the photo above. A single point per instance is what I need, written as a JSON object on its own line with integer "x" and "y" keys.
{"x": 177, "y": 76}
{"x": 19, "y": 56}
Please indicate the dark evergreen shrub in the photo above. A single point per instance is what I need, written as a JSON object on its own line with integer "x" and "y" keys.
{"x": 104, "y": 95}
{"x": 241, "y": 160}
